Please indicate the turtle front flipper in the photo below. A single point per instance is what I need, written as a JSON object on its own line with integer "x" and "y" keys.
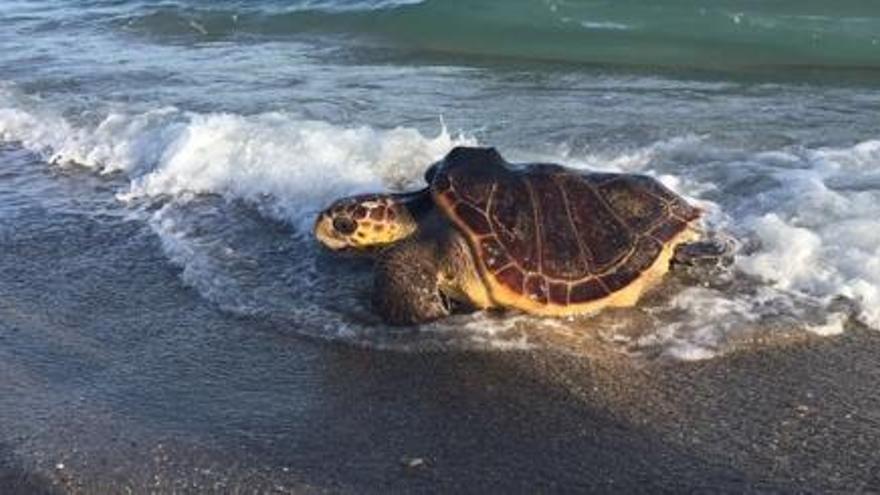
{"x": 406, "y": 287}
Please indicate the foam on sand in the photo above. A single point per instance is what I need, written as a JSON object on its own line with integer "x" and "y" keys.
{"x": 822, "y": 235}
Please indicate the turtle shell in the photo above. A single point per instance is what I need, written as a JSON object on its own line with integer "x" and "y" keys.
{"x": 553, "y": 240}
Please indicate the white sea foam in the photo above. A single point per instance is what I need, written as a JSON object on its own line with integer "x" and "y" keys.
{"x": 290, "y": 165}
{"x": 822, "y": 235}
{"x": 712, "y": 317}
{"x": 605, "y": 25}
{"x": 789, "y": 255}
{"x": 298, "y": 165}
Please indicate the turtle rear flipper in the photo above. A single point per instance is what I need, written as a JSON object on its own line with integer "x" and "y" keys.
{"x": 706, "y": 252}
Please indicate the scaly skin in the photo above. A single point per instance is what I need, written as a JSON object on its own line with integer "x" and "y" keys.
{"x": 425, "y": 266}
{"x": 428, "y": 276}
{"x": 365, "y": 223}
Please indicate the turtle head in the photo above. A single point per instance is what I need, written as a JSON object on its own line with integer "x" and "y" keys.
{"x": 366, "y": 222}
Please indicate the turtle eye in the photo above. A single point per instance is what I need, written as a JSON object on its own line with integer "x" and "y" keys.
{"x": 344, "y": 225}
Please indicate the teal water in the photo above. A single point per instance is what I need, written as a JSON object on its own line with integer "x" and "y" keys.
{"x": 732, "y": 35}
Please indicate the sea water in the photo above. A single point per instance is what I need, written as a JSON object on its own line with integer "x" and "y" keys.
{"x": 222, "y": 128}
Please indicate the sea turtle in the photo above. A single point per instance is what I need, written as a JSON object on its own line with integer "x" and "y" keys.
{"x": 540, "y": 238}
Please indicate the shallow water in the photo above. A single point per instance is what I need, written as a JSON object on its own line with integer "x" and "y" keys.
{"x": 161, "y": 166}
{"x": 225, "y": 147}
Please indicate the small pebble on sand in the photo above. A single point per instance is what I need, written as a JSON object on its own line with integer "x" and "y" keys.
{"x": 412, "y": 462}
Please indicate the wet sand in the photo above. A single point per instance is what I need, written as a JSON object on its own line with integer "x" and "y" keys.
{"x": 792, "y": 418}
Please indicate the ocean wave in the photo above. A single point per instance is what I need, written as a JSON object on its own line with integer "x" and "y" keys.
{"x": 289, "y": 165}
{"x": 694, "y": 33}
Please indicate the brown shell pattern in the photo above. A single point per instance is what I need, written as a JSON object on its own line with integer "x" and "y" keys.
{"x": 559, "y": 236}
